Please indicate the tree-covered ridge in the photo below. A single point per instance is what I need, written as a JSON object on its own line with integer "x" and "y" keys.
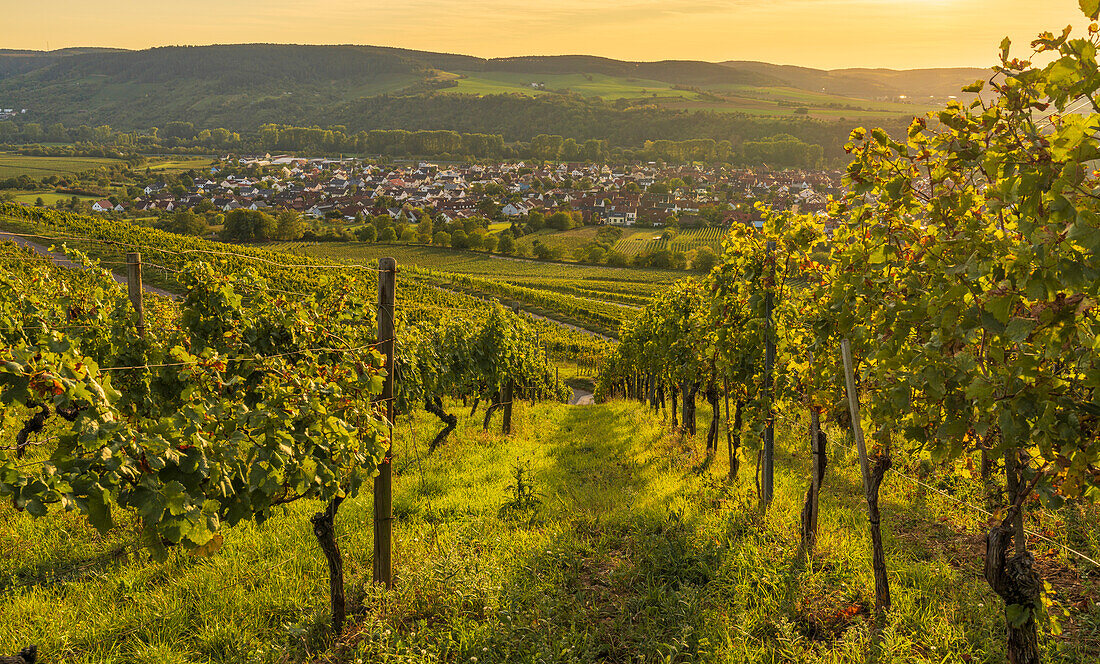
{"x": 242, "y": 87}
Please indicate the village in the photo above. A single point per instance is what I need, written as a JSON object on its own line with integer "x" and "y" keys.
{"x": 602, "y": 194}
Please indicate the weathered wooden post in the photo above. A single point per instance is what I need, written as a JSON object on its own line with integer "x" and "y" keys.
{"x": 133, "y": 286}
{"x": 871, "y": 481}
{"x": 383, "y": 483}
{"x": 767, "y": 470}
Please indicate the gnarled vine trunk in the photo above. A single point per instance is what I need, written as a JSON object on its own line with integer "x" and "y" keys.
{"x": 434, "y": 405}
{"x": 818, "y": 443}
{"x": 878, "y": 469}
{"x": 675, "y": 396}
{"x": 1015, "y": 579}
{"x": 689, "y": 392}
{"x": 715, "y": 420}
{"x": 733, "y": 438}
{"x": 324, "y": 530}
{"x": 1017, "y": 583}
{"x": 489, "y": 412}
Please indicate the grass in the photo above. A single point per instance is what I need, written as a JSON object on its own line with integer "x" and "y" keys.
{"x": 14, "y": 165}
{"x": 588, "y": 85}
{"x": 636, "y": 551}
{"x": 181, "y": 164}
{"x": 568, "y": 241}
{"x": 49, "y": 197}
{"x": 768, "y": 101}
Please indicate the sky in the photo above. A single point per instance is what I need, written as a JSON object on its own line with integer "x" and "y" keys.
{"x": 826, "y": 34}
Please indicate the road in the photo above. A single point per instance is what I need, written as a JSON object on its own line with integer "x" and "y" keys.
{"x": 60, "y": 260}
{"x": 581, "y": 398}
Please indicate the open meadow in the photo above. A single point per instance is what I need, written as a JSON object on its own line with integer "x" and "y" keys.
{"x": 14, "y": 165}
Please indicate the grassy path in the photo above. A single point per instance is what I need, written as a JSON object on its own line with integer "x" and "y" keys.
{"x": 60, "y": 260}
{"x": 624, "y": 547}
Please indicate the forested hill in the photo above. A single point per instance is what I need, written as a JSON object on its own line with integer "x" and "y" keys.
{"x": 242, "y": 87}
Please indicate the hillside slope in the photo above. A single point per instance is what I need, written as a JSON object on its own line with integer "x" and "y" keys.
{"x": 631, "y": 549}
{"x": 246, "y": 85}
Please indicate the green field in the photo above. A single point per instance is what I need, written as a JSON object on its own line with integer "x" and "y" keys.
{"x": 568, "y": 241}
{"x": 48, "y": 197}
{"x": 587, "y": 85}
{"x": 772, "y": 101}
{"x": 14, "y": 165}
{"x": 177, "y": 165}
{"x": 593, "y": 297}
{"x": 779, "y": 101}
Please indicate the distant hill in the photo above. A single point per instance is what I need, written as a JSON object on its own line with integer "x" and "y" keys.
{"x": 243, "y": 86}
{"x": 868, "y": 83}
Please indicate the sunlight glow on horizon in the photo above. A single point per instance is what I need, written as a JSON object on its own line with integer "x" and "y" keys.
{"x": 825, "y": 34}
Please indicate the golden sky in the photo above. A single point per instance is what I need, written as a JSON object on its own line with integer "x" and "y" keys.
{"x": 815, "y": 33}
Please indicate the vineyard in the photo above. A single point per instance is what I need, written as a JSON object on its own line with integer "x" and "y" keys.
{"x": 687, "y": 240}
{"x": 480, "y": 264}
{"x": 15, "y": 165}
{"x": 317, "y": 453}
{"x": 942, "y": 324}
{"x": 608, "y": 296}
{"x": 248, "y": 393}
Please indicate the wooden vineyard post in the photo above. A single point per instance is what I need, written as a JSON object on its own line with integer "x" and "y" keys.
{"x": 871, "y": 481}
{"x": 383, "y": 483}
{"x": 133, "y": 286}
{"x": 506, "y": 428}
{"x": 767, "y": 470}
{"x": 810, "y": 507}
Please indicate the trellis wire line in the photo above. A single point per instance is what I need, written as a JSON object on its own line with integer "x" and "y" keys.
{"x": 1076, "y": 106}
{"x": 982, "y": 510}
{"x": 255, "y": 358}
{"x": 44, "y": 258}
{"x": 294, "y": 265}
{"x": 60, "y": 577}
{"x": 169, "y": 328}
{"x": 182, "y": 252}
{"x": 11, "y": 235}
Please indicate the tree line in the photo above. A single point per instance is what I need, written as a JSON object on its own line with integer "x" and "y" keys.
{"x": 778, "y": 150}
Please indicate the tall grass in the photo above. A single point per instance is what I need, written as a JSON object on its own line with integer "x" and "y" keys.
{"x": 637, "y": 551}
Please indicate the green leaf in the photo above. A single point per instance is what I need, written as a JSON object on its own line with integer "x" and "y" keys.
{"x": 36, "y": 508}
{"x": 1091, "y": 8}
{"x": 977, "y": 86}
{"x": 1006, "y": 44}
{"x": 1000, "y": 307}
{"x": 175, "y": 498}
{"x": 1019, "y": 329}
{"x": 99, "y": 512}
